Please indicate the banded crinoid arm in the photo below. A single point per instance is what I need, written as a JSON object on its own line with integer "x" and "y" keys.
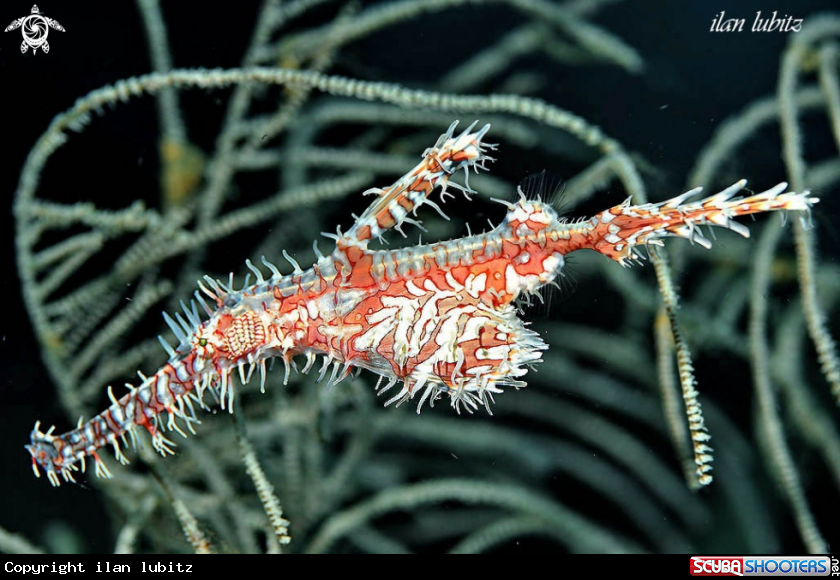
{"x": 449, "y": 155}
{"x": 616, "y": 232}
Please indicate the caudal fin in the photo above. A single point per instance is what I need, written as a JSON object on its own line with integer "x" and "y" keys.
{"x": 626, "y": 226}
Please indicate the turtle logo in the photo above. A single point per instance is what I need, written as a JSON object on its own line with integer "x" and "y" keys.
{"x": 35, "y": 28}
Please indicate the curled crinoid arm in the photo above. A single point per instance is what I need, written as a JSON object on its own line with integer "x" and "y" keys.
{"x": 393, "y": 204}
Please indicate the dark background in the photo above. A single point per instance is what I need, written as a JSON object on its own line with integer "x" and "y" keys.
{"x": 694, "y": 80}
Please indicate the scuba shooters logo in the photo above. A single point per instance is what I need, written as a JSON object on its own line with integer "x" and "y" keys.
{"x": 765, "y": 566}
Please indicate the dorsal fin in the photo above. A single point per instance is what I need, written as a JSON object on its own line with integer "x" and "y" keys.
{"x": 542, "y": 186}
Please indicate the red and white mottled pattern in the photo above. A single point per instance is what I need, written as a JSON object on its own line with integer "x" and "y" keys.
{"x": 436, "y": 319}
